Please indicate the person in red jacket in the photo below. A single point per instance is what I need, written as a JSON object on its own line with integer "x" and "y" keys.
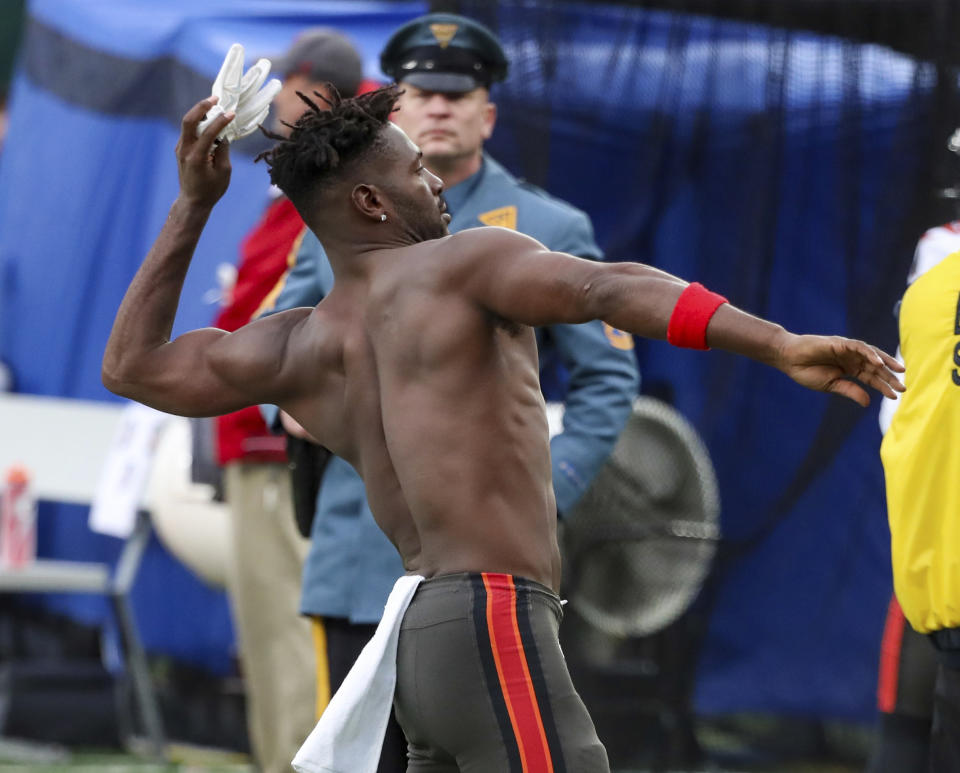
{"x": 275, "y": 643}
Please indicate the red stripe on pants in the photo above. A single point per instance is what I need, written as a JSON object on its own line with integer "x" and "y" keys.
{"x": 890, "y": 648}
{"x": 514, "y": 674}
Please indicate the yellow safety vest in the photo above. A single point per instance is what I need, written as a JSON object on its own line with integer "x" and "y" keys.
{"x": 921, "y": 453}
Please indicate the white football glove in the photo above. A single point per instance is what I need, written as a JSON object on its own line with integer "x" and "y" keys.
{"x": 242, "y": 95}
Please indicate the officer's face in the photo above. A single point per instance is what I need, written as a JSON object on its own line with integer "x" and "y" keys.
{"x": 446, "y": 126}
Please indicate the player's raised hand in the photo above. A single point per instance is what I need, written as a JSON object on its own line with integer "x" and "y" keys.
{"x": 204, "y": 164}
{"x": 839, "y": 365}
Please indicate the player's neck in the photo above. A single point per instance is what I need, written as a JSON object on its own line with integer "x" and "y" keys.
{"x": 358, "y": 255}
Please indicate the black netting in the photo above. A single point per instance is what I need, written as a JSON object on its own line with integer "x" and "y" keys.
{"x": 658, "y": 86}
{"x": 766, "y": 148}
{"x": 788, "y": 153}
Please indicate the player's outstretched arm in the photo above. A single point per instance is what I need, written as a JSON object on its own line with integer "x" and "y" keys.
{"x": 517, "y": 278}
{"x": 196, "y": 374}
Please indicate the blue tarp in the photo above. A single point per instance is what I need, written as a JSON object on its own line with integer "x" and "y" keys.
{"x": 87, "y": 176}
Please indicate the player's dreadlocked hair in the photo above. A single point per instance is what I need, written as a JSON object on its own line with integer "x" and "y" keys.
{"x": 323, "y": 142}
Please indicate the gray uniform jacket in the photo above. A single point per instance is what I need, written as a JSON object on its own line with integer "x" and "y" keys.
{"x": 352, "y": 566}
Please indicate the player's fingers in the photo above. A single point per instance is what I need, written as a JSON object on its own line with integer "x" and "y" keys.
{"x": 850, "y": 390}
{"x": 221, "y": 156}
{"x": 888, "y": 386}
{"x": 868, "y": 364}
{"x": 878, "y": 373}
{"x": 890, "y": 378}
{"x": 206, "y": 140}
{"x": 891, "y": 362}
{"x": 193, "y": 117}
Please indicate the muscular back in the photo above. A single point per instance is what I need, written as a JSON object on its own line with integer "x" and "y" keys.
{"x": 437, "y": 404}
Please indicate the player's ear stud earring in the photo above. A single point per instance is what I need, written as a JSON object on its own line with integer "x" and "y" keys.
{"x": 383, "y": 217}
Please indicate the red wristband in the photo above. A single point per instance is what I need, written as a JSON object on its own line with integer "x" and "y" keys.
{"x": 688, "y": 323}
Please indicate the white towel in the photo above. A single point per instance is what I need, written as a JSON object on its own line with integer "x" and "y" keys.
{"x": 349, "y": 736}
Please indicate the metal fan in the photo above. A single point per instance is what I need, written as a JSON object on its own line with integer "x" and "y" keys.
{"x": 640, "y": 542}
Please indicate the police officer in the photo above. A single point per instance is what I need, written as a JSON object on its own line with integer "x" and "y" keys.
{"x": 447, "y": 64}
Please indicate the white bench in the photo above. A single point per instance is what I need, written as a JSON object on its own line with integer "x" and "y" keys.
{"x": 63, "y": 443}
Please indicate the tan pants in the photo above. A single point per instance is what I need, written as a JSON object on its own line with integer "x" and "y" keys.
{"x": 275, "y": 642}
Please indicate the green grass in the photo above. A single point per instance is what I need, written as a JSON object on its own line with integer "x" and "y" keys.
{"x": 36, "y": 758}
{"x": 841, "y": 750}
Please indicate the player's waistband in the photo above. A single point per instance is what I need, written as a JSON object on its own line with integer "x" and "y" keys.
{"x": 455, "y": 596}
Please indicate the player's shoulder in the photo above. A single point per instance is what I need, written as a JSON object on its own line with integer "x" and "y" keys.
{"x": 481, "y": 241}
{"x": 953, "y": 227}
{"x": 457, "y": 255}
{"x": 946, "y": 234}
{"x": 934, "y": 246}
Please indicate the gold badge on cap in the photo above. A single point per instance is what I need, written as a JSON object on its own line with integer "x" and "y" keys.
{"x": 505, "y": 217}
{"x": 444, "y": 33}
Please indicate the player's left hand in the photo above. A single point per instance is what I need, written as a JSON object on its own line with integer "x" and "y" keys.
{"x": 836, "y": 364}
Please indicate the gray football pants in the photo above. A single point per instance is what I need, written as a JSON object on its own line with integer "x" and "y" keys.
{"x": 482, "y": 686}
